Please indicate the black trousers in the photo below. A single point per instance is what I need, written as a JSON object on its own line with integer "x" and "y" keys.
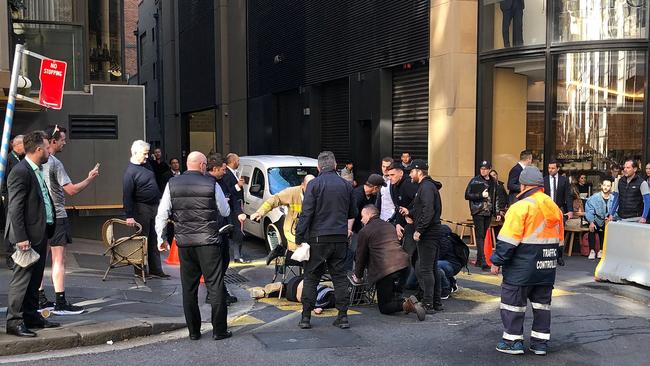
{"x": 514, "y": 15}
{"x": 389, "y": 292}
{"x": 237, "y": 238}
{"x": 481, "y": 226}
{"x": 204, "y": 260}
{"x": 426, "y": 270}
{"x": 145, "y": 215}
{"x": 23, "y": 290}
{"x": 592, "y": 238}
{"x": 322, "y": 256}
{"x": 513, "y": 312}
{"x": 225, "y": 258}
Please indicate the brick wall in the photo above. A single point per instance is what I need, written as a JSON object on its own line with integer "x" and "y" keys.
{"x": 130, "y": 46}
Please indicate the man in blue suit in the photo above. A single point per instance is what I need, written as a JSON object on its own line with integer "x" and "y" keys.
{"x": 525, "y": 159}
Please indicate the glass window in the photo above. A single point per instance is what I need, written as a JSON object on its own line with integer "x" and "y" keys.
{"x": 512, "y": 23}
{"x": 599, "y": 112}
{"x": 61, "y": 42}
{"x": 593, "y": 20}
{"x": 257, "y": 184}
{"x": 105, "y": 40}
{"x": 285, "y": 177}
{"x": 65, "y": 11}
{"x": 513, "y": 116}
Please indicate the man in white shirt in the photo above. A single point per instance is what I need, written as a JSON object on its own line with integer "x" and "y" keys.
{"x": 384, "y": 200}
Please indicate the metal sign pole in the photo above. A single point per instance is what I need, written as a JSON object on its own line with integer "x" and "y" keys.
{"x": 9, "y": 116}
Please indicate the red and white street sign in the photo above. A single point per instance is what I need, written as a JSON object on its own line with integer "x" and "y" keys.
{"x": 52, "y": 78}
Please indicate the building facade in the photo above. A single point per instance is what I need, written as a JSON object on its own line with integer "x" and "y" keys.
{"x": 102, "y": 114}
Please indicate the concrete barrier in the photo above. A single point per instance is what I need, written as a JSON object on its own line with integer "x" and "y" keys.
{"x": 626, "y": 254}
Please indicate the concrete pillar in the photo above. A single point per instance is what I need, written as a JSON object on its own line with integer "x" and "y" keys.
{"x": 510, "y": 93}
{"x": 452, "y": 101}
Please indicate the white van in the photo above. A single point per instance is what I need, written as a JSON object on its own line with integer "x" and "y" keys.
{"x": 266, "y": 175}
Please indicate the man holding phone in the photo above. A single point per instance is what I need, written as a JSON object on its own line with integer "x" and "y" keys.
{"x": 60, "y": 184}
{"x": 235, "y": 184}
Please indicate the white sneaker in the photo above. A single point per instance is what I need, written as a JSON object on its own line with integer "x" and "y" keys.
{"x": 592, "y": 254}
{"x": 600, "y": 254}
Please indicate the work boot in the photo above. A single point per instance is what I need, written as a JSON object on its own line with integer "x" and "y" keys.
{"x": 305, "y": 322}
{"x": 429, "y": 309}
{"x": 413, "y": 307}
{"x": 341, "y": 321}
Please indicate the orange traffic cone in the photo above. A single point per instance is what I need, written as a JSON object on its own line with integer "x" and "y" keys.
{"x": 172, "y": 259}
{"x": 487, "y": 247}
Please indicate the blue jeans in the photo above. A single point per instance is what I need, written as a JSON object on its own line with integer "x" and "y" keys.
{"x": 447, "y": 271}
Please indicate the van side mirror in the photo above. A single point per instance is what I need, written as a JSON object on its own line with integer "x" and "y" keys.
{"x": 256, "y": 188}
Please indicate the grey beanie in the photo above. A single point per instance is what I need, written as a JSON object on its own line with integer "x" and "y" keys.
{"x": 531, "y": 176}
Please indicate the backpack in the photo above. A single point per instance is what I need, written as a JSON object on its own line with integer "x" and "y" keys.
{"x": 461, "y": 250}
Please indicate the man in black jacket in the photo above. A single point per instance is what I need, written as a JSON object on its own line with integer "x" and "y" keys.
{"x": 236, "y": 197}
{"x": 525, "y": 159}
{"x": 557, "y": 187}
{"x": 29, "y": 202}
{"x": 484, "y": 203}
{"x": 13, "y": 158}
{"x": 402, "y": 191}
{"x": 198, "y": 207}
{"x": 326, "y": 224}
{"x": 427, "y": 208}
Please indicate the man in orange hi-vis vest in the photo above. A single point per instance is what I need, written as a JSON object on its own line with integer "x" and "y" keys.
{"x": 528, "y": 250}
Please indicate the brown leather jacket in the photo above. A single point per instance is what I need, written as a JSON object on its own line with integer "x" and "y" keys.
{"x": 379, "y": 250}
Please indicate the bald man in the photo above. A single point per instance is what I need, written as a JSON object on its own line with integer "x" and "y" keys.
{"x": 198, "y": 208}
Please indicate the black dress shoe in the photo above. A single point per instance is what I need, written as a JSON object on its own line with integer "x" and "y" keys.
{"x": 221, "y": 336}
{"x": 21, "y": 331}
{"x": 242, "y": 260}
{"x": 159, "y": 275}
{"x": 10, "y": 263}
{"x": 341, "y": 322}
{"x": 195, "y": 337}
{"x": 305, "y": 322}
{"x": 42, "y": 324}
{"x": 230, "y": 299}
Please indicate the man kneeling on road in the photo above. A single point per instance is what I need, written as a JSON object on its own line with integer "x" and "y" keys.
{"x": 528, "y": 249}
{"x": 379, "y": 250}
{"x": 198, "y": 208}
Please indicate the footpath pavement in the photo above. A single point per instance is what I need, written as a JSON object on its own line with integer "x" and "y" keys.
{"x": 120, "y": 308}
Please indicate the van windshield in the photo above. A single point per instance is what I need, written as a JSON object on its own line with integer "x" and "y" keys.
{"x": 285, "y": 177}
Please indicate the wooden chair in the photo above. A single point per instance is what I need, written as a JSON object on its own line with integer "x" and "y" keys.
{"x": 125, "y": 251}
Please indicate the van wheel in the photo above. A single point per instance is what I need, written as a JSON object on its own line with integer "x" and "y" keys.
{"x": 278, "y": 233}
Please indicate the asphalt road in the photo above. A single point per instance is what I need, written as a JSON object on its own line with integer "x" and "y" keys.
{"x": 590, "y": 327}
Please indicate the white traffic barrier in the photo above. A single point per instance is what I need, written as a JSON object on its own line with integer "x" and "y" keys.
{"x": 626, "y": 254}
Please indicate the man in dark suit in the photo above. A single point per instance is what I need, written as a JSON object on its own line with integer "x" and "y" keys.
{"x": 557, "y": 187}
{"x": 525, "y": 159}
{"x": 513, "y": 12}
{"x": 29, "y": 202}
{"x": 234, "y": 186}
{"x": 15, "y": 155}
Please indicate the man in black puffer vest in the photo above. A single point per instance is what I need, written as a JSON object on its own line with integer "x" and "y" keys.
{"x": 197, "y": 206}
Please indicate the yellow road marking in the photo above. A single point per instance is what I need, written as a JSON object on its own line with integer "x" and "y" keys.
{"x": 496, "y": 281}
{"x": 474, "y": 295}
{"x": 257, "y": 263}
{"x": 242, "y": 320}
{"x": 286, "y": 305}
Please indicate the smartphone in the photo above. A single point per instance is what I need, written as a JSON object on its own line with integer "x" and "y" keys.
{"x": 246, "y": 179}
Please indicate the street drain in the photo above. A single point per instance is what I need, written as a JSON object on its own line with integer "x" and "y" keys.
{"x": 233, "y": 277}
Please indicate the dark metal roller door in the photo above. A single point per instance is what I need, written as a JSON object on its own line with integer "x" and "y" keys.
{"x": 411, "y": 112}
{"x": 335, "y": 123}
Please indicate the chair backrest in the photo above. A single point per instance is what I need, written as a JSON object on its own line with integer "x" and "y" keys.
{"x": 125, "y": 249}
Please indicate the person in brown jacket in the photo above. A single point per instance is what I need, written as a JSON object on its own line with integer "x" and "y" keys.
{"x": 379, "y": 251}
